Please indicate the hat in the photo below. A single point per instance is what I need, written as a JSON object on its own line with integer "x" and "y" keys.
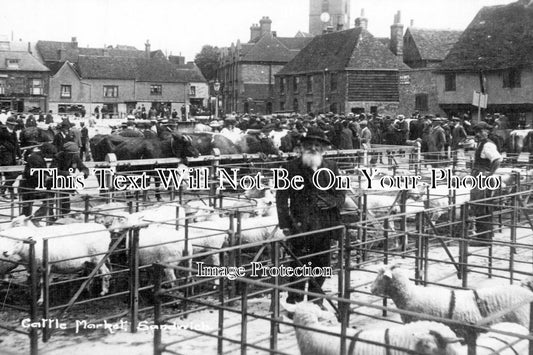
{"x": 65, "y": 124}
{"x": 401, "y": 117}
{"x": 482, "y": 125}
{"x": 11, "y": 120}
{"x": 71, "y": 147}
{"x": 315, "y": 134}
{"x": 454, "y": 118}
{"x": 131, "y": 117}
{"x": 364, "y": 122}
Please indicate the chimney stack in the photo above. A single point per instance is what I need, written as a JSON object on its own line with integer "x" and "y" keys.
{"x": 266, "y": 25}
{"x": 147, "y": 49}
{"x": 74, "y": 42}
{"x": 396, "y": 36}
{"x": 412, "y": 23}
{"x": 255, "y": 32}
{"x": 29, "y": 47}
{"x": 362, "y": 21}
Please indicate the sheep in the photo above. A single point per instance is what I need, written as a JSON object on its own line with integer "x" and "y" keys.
{"x": 89, "y": 246}
{"x": 104, "y": 213}
{"x": 464, "y": 305}
{"x": 428, "y": 338}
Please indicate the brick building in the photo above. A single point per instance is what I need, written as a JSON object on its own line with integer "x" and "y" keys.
{"x": 117, "y": 85}
{"x": 246, "y": 70}
{"x": 23, "y": 79}
{"x": 345, "y": 71}
{"x": 494, "y": 55}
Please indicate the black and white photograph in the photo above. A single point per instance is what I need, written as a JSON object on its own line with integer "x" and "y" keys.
{"x": 303, "y": 177}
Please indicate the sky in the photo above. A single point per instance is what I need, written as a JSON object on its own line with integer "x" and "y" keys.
{"x": 184, "y": 26}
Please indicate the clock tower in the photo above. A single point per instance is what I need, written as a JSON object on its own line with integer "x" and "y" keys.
{"x": 328, "y": 13}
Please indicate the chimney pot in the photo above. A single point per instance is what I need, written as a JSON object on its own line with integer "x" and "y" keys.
{"x": 147, "y": 49}
{"x": 412, "y": 23}
{"x": 29, "y": 47}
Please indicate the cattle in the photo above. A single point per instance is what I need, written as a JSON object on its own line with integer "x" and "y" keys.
{"x": 69, "y": 249}
{"x": 256, "y": 142}
{"x": 35, "y": 135}
{"x": 206, "y": 142}
{"x": 521, "y": 141}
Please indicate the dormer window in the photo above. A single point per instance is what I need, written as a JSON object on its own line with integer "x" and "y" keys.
{"x": 12, "y": 63}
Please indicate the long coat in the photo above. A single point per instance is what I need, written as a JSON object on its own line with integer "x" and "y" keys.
{"x": 298, "y": 210}
{"x": 9, "y": 147}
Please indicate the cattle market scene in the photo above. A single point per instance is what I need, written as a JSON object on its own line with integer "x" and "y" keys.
{"x": 314, "y": 177}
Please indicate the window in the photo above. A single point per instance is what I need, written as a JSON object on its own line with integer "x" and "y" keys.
{"x": 295, "y": 105}
{"x": 421, "y": 102}
{"x": 282, "y": 86}
{"x": 36, "y": 87}
{"x": 66, "y": 91}
{"x": 282, "y": 105}
{"x": 309, "y": 106}
{"x": 333, "y": 107}
{"x": 449, "y": 82}
{"x": 110, "y": 91}
{"x": 2, "y": 86}
{"x": 192, "y": 90}
{"x": 154, "y": 90}
{"x": 12, "y": 63}
{"x": 309, "y": 84}
{"x": 295, "y": 83}
{"x": 333, "y": 81}
{"x": 511, "y": 78}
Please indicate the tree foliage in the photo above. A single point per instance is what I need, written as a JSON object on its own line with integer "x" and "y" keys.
{"x": 207, "y": 61}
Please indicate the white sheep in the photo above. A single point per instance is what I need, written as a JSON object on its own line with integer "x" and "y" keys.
{"x": 69, "y": 249}
{"x": 428, "y": 338}
{"x": 464, "y": 305}
{"x": 104, "y": 213}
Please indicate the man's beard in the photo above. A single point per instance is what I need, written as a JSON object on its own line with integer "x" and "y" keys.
{"x": 312, "y": 159}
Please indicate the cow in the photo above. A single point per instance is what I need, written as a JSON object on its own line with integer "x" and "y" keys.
{"x": 205, "y": 142}
{"x": 521, "y": 140}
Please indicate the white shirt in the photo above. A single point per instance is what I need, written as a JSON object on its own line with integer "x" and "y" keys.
{"x": 490, "y": 152}
{"x": 3, "y": 118}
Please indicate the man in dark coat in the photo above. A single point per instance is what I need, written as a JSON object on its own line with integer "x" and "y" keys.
{"x": 68, "y": 158}
{"x": 63, "y": 136}
{"x": 9, "y": 152}
{"x": 29, "y": 182}
{"x": 308, "y": 209}
{"x": 49, "y": 118}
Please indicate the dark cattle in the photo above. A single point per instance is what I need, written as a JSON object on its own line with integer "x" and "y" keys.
{"x": 502, "y": 139}
{"x": 177, "y": 146}
{"x": 35, "y": 135}
{"x": 257, "y": 143}
{"x": 205, "y": 142}
{"x": 102, "y": 144}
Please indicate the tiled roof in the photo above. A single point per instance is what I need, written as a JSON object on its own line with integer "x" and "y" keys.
{"x": 126, "y": 68}
{"x": 27, "y": 62}
{"x": 434, "y": 44}
{"x": 269, "y": 49}
{"x": 351, "y": 49}
{"x": 498, "y": 37}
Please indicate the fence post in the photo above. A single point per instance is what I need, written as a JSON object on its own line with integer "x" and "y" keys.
{"x": 158, "y": 270}
{"x": 386, "y": 252}
{"x": 244, "y": 317}
{"x": 274, "y": 300}
{"x": 86, "y": 208}
{"x": 221, "y": 285}
{"x": 34, "y": 292}
{"x": 46, "y": 290}
{"x": 134, "y": 280}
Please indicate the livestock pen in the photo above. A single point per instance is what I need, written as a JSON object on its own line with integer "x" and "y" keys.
{"x": 373, "y": 235}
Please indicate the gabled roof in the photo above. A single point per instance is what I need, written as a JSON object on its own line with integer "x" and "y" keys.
{"x": 351, "y": 49}
{"x": 433, "y": 44}
{"x": 27, "y": 62}
{"x": 126, "y": 68}
{"x": 303, "y": 34}
{"x": 273, "y": 49}
{"x": 190, "y": 72}
{"x": 498, "y": 37}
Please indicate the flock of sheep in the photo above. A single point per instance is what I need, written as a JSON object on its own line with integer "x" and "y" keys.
{"x": 73, "y": 244}
{"x": 419, "y": 336}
